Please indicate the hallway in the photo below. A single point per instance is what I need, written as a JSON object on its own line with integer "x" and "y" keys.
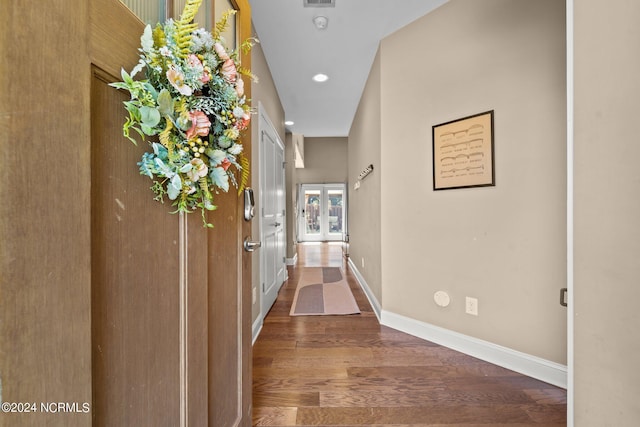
{"x": 351, "y": 371}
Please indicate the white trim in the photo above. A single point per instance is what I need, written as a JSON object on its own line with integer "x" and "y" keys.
{"x": 256, "y": 329}
{"x": 294, "y": 260}
{"x": 570, "y": 213}
{"x": 532, "y": 366}
{"x": 526, "y": 364}
{"x": 377, "y": 308}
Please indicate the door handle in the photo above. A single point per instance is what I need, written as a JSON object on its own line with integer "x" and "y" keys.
{"x": 563, "y": 297}
{"x": 276, "y": 224}
{"x": 250, "y": 245}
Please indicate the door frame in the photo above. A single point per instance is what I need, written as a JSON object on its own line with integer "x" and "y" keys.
{"x": 570, "y": 214}
{"x": 324, "y": 235}
{"x": 264, "y": 124}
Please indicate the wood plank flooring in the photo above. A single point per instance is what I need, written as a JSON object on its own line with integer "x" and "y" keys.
{"x": 351, "y": 371}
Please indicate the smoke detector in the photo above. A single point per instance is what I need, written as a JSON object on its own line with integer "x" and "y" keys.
{"x": 320, "y": 22}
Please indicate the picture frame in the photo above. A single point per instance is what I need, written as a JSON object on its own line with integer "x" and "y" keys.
{"x": 463, "y": 152}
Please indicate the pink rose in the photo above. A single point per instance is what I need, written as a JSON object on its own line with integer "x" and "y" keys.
{"x": 240, "y": 87}
{"x": 200, "y": 124}
{"x": 243, "y": 122}
{"x": 221, "y": 51}
{"x": 194, "y": 61}
{"x": 229, "y": 71}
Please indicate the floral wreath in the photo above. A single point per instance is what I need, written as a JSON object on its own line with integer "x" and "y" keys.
{"x": 193, "y": 100}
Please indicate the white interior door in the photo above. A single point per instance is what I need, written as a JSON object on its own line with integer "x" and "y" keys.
{"x": 272, "y": 214}
{"x": 322, "y": 216}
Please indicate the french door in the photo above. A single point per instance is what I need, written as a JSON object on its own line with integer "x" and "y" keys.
{"x": 323, "y": 208}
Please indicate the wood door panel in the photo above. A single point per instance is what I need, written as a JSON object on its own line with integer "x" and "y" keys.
{"x": 197, "y": 308}
{"x": 135, "y": 276}
{"x": 157, "y": 361}
{"x": 224, "y": 309}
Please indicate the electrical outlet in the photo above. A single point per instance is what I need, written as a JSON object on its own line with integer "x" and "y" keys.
{"x": 471, "y": 306}
{"x": 254, "y": 296}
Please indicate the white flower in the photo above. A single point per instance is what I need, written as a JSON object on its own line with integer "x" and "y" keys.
{"x": 176, "y": 78}
{"x": 146, "y": 40}
{"x": 201, "y": 39}
{"x": 235, "y": 149}
{"x": 198, "y": 170}
{"x": 238, "y": 112}
{"x": 164, "y": 51}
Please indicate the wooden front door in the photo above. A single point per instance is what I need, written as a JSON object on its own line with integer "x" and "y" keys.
{"x": 171, "y": 320}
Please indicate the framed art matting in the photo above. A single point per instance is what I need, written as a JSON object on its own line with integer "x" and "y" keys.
{"x": 463, "y": 153}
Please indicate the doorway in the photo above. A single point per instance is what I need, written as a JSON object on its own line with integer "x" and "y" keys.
{"x": 323, "y": 208}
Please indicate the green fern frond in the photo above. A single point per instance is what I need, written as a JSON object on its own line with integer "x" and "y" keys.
{"x": 189, "y": 12}
{"x": 183, "y": 37}
{"x": 159, "y": 38}
{"x": 221, "y": 25}
{"x": 165, "y": 139}
{"x": 247, "y": 72}
{"x": 185, "y": 25}
{"x": 248, "y": 44}
{"x": 244, "y": 173}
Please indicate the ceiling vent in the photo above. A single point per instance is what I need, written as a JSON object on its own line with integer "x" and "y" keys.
{"x": 319, "y": 3}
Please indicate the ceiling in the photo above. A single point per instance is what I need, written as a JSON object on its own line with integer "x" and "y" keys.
{"x": 296, "y": 50}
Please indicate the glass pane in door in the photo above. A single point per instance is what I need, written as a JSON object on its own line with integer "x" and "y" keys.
{"x": 312, "y": 211}
{"x": 335, "y": 210}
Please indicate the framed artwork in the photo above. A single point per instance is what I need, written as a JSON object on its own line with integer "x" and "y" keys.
{"x": 463, "y": 153}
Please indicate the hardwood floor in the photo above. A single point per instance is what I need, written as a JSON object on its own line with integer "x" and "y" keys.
{"x": 351, "y": 371}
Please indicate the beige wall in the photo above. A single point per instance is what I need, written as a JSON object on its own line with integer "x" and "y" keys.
{"x": 325, "y": 161}
{"x": 262, "y": 93}
{"x": 364, "y": 203}
{"x": 607, "y": 209}
{"x": 504, "y": 245}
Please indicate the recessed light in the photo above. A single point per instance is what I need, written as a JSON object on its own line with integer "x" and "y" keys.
{"x": 320, "y": 78}
{"x": 288, "y": 123}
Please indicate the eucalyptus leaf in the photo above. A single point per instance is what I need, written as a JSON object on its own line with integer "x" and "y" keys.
{"x": 163, "y": 169}
{"x": 149, "y": 116}
{"x": 174, "y": 187}
{"x": 165, "y": 103}
{"x": 220, "y": 178}
{"x": 149, "y": 88}
{"x": 160, "y": 150}
{"x": 148, "y": 130}
{"x": 216, "y": 156}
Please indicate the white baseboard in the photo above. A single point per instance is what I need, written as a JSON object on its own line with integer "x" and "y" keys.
{"x": 377, "y": 308}
{"x": 255, "y": 330}
{"x": 526, "y": 364}
{"x": 292, "y": 261}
